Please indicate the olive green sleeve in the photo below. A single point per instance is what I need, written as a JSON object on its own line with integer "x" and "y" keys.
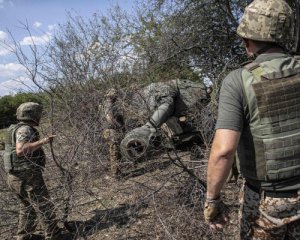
{"x": 231, "y": 107}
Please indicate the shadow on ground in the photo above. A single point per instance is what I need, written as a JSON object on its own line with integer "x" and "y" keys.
{"x": 119, "y": 217}
{"x": 150, "y": 167}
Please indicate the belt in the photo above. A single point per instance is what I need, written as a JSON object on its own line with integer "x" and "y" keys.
{"x": 273, "y": 194}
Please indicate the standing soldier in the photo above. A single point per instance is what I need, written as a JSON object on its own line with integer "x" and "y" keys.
{"x": 259, "y": 117}
{"x": 24, "y": 161}
{"x": 114, "y": 129}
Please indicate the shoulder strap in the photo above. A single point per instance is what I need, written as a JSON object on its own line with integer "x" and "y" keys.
{"x": 251, "y": 66}
{"x": 259, "y": 72}
{"x": 281, "y": 74}
{"x": 255, "y": 69}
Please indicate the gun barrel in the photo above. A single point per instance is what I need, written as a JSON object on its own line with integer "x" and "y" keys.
{"x": 297, "y": 15}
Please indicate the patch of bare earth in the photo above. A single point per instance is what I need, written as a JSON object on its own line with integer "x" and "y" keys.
{"x": 155, "y": 199}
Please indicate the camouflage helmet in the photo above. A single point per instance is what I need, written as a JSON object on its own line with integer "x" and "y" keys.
{"x": 111, "y": 93}
{"x": 140, "y": 142}
{"x": 268, "y": 21}
{"x": 29, "y": 111}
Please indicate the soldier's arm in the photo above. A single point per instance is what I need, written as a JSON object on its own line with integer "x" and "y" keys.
{"x": 25, "y": 148}
{"x": 220, "y": 160}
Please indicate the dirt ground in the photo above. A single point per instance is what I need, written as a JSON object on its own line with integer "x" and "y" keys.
{"x": 156, "y": 199}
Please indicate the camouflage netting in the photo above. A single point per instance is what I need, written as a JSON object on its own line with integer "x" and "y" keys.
{"x": 186, "y": 93}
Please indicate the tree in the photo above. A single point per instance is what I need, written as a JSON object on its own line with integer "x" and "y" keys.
{"x": 9, "y": 105}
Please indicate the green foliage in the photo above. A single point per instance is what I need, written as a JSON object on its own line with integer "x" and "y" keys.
{"x": 9, "y": 105}
{"x": 2, "y": 136}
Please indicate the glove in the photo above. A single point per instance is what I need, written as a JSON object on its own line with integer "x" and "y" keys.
{"x": 213, "y": 208}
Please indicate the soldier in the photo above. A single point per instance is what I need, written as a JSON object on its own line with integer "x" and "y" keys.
{"x": 24, "y": 161}
{"x": 258, "y": 116}
{"x": 169, "y": 104}
{"x": 114, "y": 129}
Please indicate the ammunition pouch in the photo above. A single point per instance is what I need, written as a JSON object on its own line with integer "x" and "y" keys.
{"x": 9, "y": 158}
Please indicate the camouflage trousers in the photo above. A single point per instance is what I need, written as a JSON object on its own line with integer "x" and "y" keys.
{"x": 34, "y": 198}
{"x": 113, "y": 139}
{"x": 266, "y": 218}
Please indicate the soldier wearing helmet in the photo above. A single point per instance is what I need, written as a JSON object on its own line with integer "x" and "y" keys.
{"x": 258, "y": 117}
{"x": 113, "y": 129}
{"x": 24, "y": 161}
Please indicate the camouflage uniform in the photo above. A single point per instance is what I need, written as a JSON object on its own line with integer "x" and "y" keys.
{"x": 265, "y": 218}
{"x": 252, "y": 217}
{"x": 170, "y": 104}
{"x": 114, "y": 130}
{"x": 30, "y": 188}
{"x": 25, "y": 179}
{"x": 260, "y": 101}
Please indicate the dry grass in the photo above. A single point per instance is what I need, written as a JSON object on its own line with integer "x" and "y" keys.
{"x": 156, "y": 200}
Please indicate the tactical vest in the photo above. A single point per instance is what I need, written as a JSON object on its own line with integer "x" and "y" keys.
{"x": 12, "y": 162}
{"x": 273, "y": 99}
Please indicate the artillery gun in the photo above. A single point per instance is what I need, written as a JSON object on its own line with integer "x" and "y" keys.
{"x": 172, "y": 122}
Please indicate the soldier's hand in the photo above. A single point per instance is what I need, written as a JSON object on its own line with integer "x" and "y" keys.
{"x": 48, "y": 139}
{"x": 216, "y": 213}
